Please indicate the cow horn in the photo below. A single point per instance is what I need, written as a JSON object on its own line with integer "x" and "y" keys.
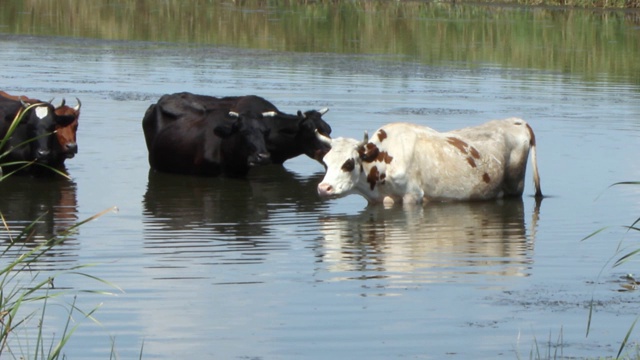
{"x": 62, "y": 103}
{"x": 77, "y": 107}
{"x": 323, "y": 138}
{"x": 269, "y": 114}
{"x": 51, "y": 100}
{"x": 323, "y": 111}
{"x": 24, "y": 104}
{"x": 234, "y": 114}
{"x": 366, "y": 137}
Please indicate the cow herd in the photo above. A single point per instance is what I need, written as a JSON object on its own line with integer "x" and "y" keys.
{"x": 203, "y": 135}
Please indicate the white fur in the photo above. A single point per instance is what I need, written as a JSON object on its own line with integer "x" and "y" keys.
{"x": 482, "y": 162}
{"x": 42, "y": 112}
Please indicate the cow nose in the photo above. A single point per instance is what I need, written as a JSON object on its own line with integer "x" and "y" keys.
{"x": 260, "y": 159}
{"x": 72, "y": 148}
{"x": 43, "y": 154}
{"x": 325, "y": 189}
{"x": 264, "y": 158}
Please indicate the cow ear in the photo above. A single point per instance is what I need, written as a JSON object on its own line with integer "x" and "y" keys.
{"x": 289, "y": 126}
{"x": 225, "y": 130}
{"x": 368, "y": 152}
{"x": 307, "y": 124}
{"x": 65, "y": 120}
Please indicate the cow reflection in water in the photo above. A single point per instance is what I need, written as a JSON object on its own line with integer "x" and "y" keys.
{"x": 52, "y": 202}
{"x": 183, "y": 210}
{"x": 488, "y": 237}
{"x": 175, "y": 205}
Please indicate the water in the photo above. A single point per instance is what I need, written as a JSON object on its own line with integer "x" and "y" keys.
{"x": 262, "y": 268}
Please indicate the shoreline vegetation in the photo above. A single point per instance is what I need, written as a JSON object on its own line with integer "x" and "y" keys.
{"x": 569, "y": 4}
{"x": 593, "y": 39}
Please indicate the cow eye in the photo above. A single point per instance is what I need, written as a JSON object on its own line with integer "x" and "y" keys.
{"x": 349, "y": 165}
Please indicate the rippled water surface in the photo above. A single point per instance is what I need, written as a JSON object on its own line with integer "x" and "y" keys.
{"x": 262, "y": 268}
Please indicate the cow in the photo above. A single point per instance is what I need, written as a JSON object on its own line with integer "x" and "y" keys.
{"x": 408, "y": 163}
{"x": 66, "y": 146}
{"x": 211, "y": 143}
{"x": 32, "y": 139}
{"x": 289, "y": 135}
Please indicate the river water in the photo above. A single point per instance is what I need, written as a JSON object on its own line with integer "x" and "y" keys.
{"x": 261, "y": 268}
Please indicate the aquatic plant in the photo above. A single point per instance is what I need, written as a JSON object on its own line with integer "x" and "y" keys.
{"x": 586, "y": 4}
{"x": 22, "y": 289}
{"x": 621, "y": 256}
{"x": 25, "y": 293}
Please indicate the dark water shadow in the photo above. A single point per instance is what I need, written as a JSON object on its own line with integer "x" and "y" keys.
{"x": 52, "y": 201}
{"x": 46, "y": 207}
{"x": 489, "y": 237}
{"x": 216, "y": 217}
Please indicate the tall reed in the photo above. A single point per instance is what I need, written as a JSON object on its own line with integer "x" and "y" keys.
{"x": 25, "y": 293}
{"x": 622, "y": 255}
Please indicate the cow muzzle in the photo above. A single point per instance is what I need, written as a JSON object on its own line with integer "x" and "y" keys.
{"x": 260, "y": 159}
{"x": 325, "y": 190}
{"x": 71, "y": 150}
{"x": 43, "y": 155}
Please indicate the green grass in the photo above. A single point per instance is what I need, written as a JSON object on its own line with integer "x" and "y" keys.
{"x": 621, "y": 256}
{"x": 22, "y": 290}
{"x": 26, "y": 295}
{"x": 585, "y": 4}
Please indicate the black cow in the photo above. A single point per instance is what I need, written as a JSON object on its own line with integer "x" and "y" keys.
{"x": 207, "y": 143}
{"x": 66, "y": 147}
{"x": 32, "y": 139}
{"x": 293, "y": 135}
{"x": 185, "y": 102}
{"x": 289, "y": 135}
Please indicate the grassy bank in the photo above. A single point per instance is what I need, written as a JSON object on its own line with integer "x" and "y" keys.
{"x": 585, "y": 4}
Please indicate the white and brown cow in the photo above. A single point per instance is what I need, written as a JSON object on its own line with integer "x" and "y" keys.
{"x": 411, "y": 163}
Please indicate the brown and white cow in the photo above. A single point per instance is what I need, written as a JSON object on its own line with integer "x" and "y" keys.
{"x": 411, "y": 163}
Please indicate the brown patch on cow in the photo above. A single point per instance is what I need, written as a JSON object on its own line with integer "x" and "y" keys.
{"x": 474, "y": 152}
{"x": 486, "y": 178}
{"x": 369, "y": 152}
{"x": 382, "y": 135}
{"x": 464, "y": 147}
{"x": 19, "y": 98}
{"x": 373, "y": 177}
{"x": 348, "y": 165}
{"x": 384, "y": 156}
{"x": 461, "y": 145}
{"x": 471, "y": 162}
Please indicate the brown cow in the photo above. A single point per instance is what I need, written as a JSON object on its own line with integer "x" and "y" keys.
{"x": 66, "y": 135}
